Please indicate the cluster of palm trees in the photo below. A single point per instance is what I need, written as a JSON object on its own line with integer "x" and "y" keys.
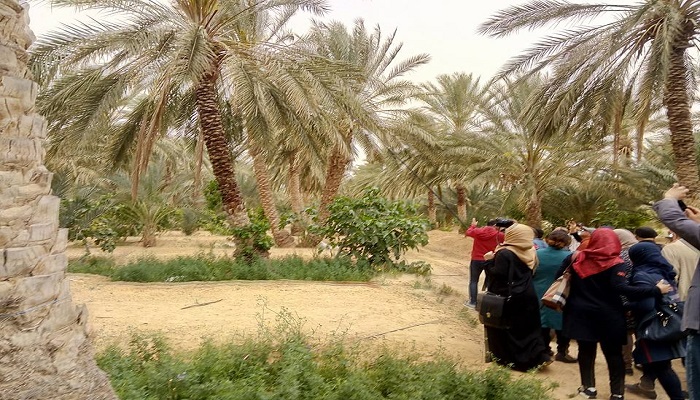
{"x": 565, "y": 119}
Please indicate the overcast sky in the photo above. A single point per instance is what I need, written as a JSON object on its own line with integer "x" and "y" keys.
{"x": 445, "y": 29}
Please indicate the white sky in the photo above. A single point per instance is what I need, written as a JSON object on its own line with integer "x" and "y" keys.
{"x": 445, "y": 29}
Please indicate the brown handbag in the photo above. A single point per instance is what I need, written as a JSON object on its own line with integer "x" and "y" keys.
{"x": 555, "y": 297}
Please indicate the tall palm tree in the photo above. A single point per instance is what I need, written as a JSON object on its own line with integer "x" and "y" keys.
{"x": 644, "y": 46}
{"x": 507, "y": 152}
{"x": 45, "y": 352}
{"x": 381, "y": 89}
{"x": 454, "y": 103}
{"x": 163, "y": 64}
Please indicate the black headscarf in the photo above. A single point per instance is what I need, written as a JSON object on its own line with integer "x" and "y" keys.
{"x": 646, "y": 256}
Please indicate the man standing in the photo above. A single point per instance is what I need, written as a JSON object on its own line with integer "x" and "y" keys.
{"x": 687, "y": 225}
{"x": 485, "y": 240}
{"x": 684, "y": 260}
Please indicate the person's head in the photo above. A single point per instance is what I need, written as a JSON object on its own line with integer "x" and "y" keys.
{"x": 626, "y": 237}
{"x": 558, "y": 239}
{"x": 539, "y": 233}
{"x": 645, "y": 233}
{"x": 492, "y": 222}
{"x": 603, "y": 242}
{"x": 519, "y": 235}
{"x": 647, "y": 255}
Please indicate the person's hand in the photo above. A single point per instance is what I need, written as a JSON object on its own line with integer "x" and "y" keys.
{"x": 489, "y": 256}
{"x": 676, "y": 192}
{"x": 693, "y": 213}
{"x": 664, "y": 286}
{"x": 475, "y": 222}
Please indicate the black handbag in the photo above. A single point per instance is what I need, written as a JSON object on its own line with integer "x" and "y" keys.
{"x": 491, "y": 306}
{"x": 664, "y": 323}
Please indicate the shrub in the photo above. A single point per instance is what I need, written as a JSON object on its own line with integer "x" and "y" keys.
{"x": 291, "y": 367}
{"x": 372, "y": 228}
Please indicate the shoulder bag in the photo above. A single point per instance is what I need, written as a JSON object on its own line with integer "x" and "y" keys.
{"x": 491, "y": 306}
{"x": 664, "y": 323}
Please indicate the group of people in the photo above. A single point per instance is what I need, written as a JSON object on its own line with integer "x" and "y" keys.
{"x": 617, "y": 278}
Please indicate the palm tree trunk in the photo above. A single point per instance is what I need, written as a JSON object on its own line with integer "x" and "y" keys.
{"x": 533, "y": 211}
{"x": 432, "y": 210}
{"x": 282, "y": 237}
{"x": 337, "y": 165}
{"x": 294, "y": 193}
{"x": 45, "y": 352}
{"x": 461, "y": 203}
{"x": 219, "y": 153}
{"x": 677, "y": 104}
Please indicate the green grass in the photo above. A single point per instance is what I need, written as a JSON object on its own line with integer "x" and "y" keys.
{"x": 207, "y": 267}
{"x": 292, "y": 368}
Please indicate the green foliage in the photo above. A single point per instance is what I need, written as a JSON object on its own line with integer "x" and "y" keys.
{"x": 92, "y": 265}
{"x": 189, "y": 220}
{"x": 252, "y": 240}
{"x": 291, "y": 367}
{"x": 372, "y": 228}
{"x": 207, "y": 267}
{"x": 90, "y": 219}
{"x": 613, "y": 215}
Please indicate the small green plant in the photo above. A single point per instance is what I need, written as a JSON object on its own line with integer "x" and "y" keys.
{"x": 373, "y": 228}
{"x": 252, "y": 241}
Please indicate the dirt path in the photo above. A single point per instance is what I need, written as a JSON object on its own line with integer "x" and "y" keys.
{"x": 408, "y": 311}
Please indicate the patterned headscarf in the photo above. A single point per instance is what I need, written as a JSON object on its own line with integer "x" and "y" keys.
{"x": 518, "y": 239}
{"x": 602, "y": 253}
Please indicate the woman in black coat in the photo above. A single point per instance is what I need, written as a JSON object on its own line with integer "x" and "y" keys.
{"x": 521, "y": 346}
{"x": 649, "y": 267}
{"x": 594, "y": 312}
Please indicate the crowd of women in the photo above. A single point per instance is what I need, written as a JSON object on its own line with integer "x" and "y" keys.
{"x": 617, "y": 278}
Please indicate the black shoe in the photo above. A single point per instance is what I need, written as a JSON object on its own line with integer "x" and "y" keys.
{"x": 638, "y": 390}
{"x": 590, "y": 393}
{"x": 565, "y": 358}
{"x": 616, "y": 397}
{"x": 629, "y": 371}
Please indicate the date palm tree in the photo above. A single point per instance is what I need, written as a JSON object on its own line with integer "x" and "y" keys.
{"x": 380, "y": 87}
{"x": 162, "y": 65}
{"x": 45, "y": 352}
{"x": 646, "y": 47}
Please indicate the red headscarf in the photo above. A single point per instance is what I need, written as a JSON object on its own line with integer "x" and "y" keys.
{"x": 602, "y": 252}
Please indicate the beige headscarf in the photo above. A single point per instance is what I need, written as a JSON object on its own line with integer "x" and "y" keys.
{"x": 518, "y": 239}
{"x": 626, "y": 237}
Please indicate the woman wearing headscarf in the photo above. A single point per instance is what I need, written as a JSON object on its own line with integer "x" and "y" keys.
{"x": 649, "y": 267}
{"x": 520, "y": 347}
{"x": 594, "y": 312}
{"x": 627, "y": 240}
{"x": 550, "y": 258}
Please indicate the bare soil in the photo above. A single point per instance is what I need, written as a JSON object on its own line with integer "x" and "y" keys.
{"x": 424, "y": 314}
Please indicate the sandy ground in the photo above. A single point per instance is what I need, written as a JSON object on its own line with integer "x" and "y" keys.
{"x": 409, "y": 311}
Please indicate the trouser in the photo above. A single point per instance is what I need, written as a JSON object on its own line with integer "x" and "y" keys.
{"x": 475, "y": 269}
{"x": 627, "y": 351}
{"x": 692, "y": 365}
{"x": 563, "y": 342}
{"x": 613, "y": 357}
{"x": 667, "y": 377}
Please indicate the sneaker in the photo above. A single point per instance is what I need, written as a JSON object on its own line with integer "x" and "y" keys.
{"x": 469, "y": 305}
{"x": 616, "y": 397}
{"x": 638, "y": 390}
{"x": 565, "y": 358}
{"x": 590, "y": 393}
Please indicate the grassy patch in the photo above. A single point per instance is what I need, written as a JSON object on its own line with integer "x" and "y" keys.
{"x": 207, "y": 267}
{"x": 294, "y": 367}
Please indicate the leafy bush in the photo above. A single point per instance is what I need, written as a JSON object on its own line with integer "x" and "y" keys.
{"x": 292, "y": 368}
{"x": 252, "y": 240}
{"x": 373, "y": 228}
{"x": 89, "y": 219}
{"x": 211, "y": 268}
{"x": 93, "y": 265}
{"x": 613, "y": 215}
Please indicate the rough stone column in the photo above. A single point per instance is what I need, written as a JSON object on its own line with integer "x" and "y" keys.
{"x": 44, "y": 349}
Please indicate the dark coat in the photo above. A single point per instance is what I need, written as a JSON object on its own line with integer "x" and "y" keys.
{"x": 521, "y": 346}
{"x": 594, "y": 310}
{"x": 647, "y": 351}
